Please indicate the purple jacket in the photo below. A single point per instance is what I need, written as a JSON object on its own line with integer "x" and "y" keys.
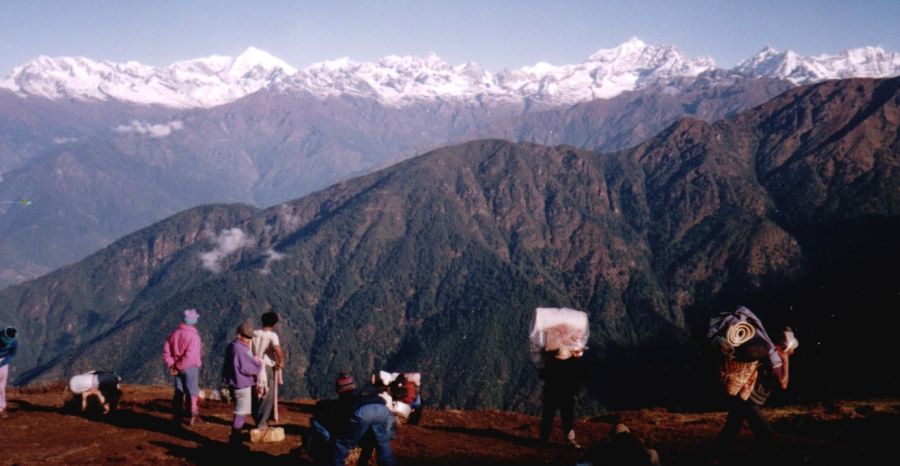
{"x": 240, "y": 369}
{"x": 182, "y": 348}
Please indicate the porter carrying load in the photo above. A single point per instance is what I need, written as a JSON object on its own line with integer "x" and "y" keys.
{"x": 729, "y": 331}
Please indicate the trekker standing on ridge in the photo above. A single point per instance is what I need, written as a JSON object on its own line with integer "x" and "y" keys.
{"x": 266, "y": 346}
{"x": 240, "y": 372}
{"x": 563, "y": 374}
{"x": 8, "y": 347}
{"x": 770, "y": 366}
{"x": 181, "y": 353}
{"x": 558, "y": 340}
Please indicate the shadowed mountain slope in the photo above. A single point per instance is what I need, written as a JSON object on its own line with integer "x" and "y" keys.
{"x": 437, "y": 263}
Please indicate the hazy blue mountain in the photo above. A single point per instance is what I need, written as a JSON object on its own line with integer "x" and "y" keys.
{"x": 95, "y": 171}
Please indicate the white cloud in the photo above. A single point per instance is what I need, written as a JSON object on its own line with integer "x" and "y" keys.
{"x": 226, "y": 243}
{"x": 64, "y": 140}
{"x": 271, "y": 256}
{"x": 153, "y": 130}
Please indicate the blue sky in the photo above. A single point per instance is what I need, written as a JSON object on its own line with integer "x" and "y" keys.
{"x": 494, "y": 34}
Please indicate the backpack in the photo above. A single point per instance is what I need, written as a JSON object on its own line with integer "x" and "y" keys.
{"x": 727, "y": 332}
{"x": 404, "y": 390}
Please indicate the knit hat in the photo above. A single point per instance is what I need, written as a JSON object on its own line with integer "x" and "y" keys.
{"x": 344, "y": 384}
{"x": 191, "y": 316}
{"x": 246, "y": 329}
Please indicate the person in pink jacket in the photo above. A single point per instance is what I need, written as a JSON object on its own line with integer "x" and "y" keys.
{"x": 181, "y": 353}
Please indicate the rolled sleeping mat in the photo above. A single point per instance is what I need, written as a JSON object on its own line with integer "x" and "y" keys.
{"x": 740, "y": 333}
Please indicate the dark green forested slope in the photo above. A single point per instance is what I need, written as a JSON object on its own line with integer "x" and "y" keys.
{"x": 437, "y": 263}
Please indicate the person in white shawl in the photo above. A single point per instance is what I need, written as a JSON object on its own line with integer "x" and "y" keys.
{"x": 266, "y": 346}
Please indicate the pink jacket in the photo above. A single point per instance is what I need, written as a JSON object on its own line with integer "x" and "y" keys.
{"x": 182, "y": 348}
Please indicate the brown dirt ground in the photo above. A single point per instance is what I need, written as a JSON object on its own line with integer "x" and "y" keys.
{"x": 39, "y": 431}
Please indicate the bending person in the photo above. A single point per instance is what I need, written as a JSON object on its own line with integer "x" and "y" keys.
{"x": 371, "y": 415}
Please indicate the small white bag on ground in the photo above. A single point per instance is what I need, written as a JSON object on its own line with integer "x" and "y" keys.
{"x": 267, "y": 435}
{"x": 562, "y": 329}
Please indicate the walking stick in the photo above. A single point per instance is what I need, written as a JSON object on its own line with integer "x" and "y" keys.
{"x": 277, "y": 382}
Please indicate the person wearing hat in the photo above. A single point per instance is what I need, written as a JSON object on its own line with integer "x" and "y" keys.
{"x": 8, "y": 346}
{"x": 371, "y": 422}
{"x": 239, "y": 373}
{"x": 330, "y": 418}
{"x": 181, "y": 354}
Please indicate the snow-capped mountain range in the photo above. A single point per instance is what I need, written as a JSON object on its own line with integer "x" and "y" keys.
{"x": 399, "y": 81}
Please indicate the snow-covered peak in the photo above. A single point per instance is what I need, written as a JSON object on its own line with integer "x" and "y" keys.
{"x": 605, "y": 74}
{"x": 631, "y": 47}
{"x": 257, "y": 64}
{"x": 202, "y": 82}
{"x": 393, "y": 80}
{"x": 72, "y": 77}
{"x": 403, "y": 80}
{"x": 864, "y": 62}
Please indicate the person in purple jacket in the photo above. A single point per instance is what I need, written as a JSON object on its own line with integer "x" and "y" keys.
{"x": 239, "y": 372}
{"x": 181, "y": 353}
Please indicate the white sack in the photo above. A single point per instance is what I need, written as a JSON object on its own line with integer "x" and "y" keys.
{"x": 559, "y": 328}
{"x": 81, "y": 383}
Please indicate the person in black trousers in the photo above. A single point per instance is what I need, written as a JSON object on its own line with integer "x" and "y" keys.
{"x": 772, "y": 371}
{"x": 563, "y": 374}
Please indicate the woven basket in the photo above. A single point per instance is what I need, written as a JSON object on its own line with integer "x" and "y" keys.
{"x": 739, "y": 377}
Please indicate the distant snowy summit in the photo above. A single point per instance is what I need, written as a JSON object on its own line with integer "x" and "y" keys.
{"x": 204, "y": 82}
{"x": 400, "y": 81}
{"x": 865, "y": 62}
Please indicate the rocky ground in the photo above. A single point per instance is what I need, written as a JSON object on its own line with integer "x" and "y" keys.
{"x": 40, "y": 431}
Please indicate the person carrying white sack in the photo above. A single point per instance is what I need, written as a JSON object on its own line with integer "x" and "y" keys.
{"x": 267, "y": 346}
{"x": 558, "y": 341}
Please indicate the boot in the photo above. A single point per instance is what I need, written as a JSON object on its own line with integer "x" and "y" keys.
{"x": 236, "y": 439}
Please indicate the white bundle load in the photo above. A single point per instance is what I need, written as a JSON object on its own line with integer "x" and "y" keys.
{"x": 81, "y": 383}
{"x": 387, "y": 378}
{"x": 559, "y": 329}
{"x": 402, "y": 409}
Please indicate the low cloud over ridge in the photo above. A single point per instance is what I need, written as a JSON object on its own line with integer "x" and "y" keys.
{"x": 226, "y": 243}
{"x": 159, "y": 130}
